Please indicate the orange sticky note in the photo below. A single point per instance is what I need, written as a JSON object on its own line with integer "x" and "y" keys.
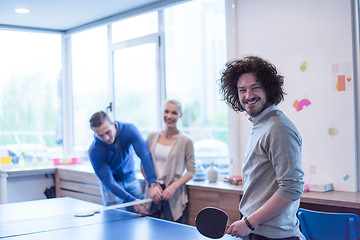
{"x": 296, "y": 105}
{"x": 340, "y": 86}
{"x": 5, "y": 160}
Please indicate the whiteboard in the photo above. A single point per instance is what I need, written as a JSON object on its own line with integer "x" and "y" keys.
{"x": 310, "y": 42}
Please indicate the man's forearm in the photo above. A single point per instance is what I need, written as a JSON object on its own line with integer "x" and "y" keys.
{"x": 273, "y": 207}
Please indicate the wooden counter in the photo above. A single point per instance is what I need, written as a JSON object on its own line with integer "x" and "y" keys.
{"x": 221, "y": 195}
{"x": 333, "y": 198}
{"x": 79, "y": 181}
{"x": 332, "y": 201}
{"x": 227, "y": 197}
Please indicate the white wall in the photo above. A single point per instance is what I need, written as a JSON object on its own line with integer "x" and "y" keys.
{"x": 287, "y": 33}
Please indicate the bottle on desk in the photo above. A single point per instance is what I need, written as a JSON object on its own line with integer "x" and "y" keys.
{"x": 212, "y": 173}
{"x": 22, "y": 160}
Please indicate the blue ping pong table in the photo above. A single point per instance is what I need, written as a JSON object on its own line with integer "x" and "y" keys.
{"x": 106, "y": 225}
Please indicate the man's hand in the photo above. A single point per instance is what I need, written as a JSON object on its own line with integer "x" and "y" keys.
{"x": 238, "y": 229}
{"x": 156, "y": 193}
{"x": 141, "y": 208}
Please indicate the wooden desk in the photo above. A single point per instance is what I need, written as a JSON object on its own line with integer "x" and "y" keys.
{"x": 332, "y": 201}
{"x": 80, "y": 181}
{"x": 227, "y": 197}
{"x": 221, "y": 195}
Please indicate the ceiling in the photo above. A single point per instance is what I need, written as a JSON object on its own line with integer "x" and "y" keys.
{"x": 62, "y": 15}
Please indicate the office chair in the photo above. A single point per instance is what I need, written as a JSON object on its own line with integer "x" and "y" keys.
{"x": 329, "y": 226}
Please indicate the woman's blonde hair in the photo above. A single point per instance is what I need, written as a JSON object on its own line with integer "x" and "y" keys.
{"x": 175, "y": 102}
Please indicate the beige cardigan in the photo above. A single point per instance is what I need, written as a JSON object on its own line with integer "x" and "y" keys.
{"x": 181, "y": 156}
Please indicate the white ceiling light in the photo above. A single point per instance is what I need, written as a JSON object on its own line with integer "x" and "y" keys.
{"x": 22, "y": 10}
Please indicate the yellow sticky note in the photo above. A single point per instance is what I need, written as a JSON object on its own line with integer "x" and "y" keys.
{"x": 5, "y": 160}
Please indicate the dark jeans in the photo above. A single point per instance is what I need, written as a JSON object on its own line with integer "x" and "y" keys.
{"x": 258, "y": 237}
{"x": 162, "y": 210}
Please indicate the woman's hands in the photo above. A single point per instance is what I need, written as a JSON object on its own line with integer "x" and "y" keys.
{"x": 156, "y": 193}
{"x": 168, "y": 192}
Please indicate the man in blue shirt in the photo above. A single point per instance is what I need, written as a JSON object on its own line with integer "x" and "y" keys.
{"x": 111, "y": 155}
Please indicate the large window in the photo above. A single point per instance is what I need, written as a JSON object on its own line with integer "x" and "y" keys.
{"x": 177, "y": 55}
{"x": 90, "y": 83}
{"x": 195, "y": 53}
{"x": 135, "y": 86}
{"x": 30, "y": 100}
{"x": 136, "y": 70}
{"x": 134, "y": 63}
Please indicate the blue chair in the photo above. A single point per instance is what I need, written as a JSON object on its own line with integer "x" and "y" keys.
{"x": 329, "y": 226}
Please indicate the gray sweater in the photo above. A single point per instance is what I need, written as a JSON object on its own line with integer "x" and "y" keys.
{"x": 181, "y": 156}
{"x": 273, "y": 164}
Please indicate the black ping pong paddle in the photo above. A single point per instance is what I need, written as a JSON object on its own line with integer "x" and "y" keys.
{"x": 211, "y": 222}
